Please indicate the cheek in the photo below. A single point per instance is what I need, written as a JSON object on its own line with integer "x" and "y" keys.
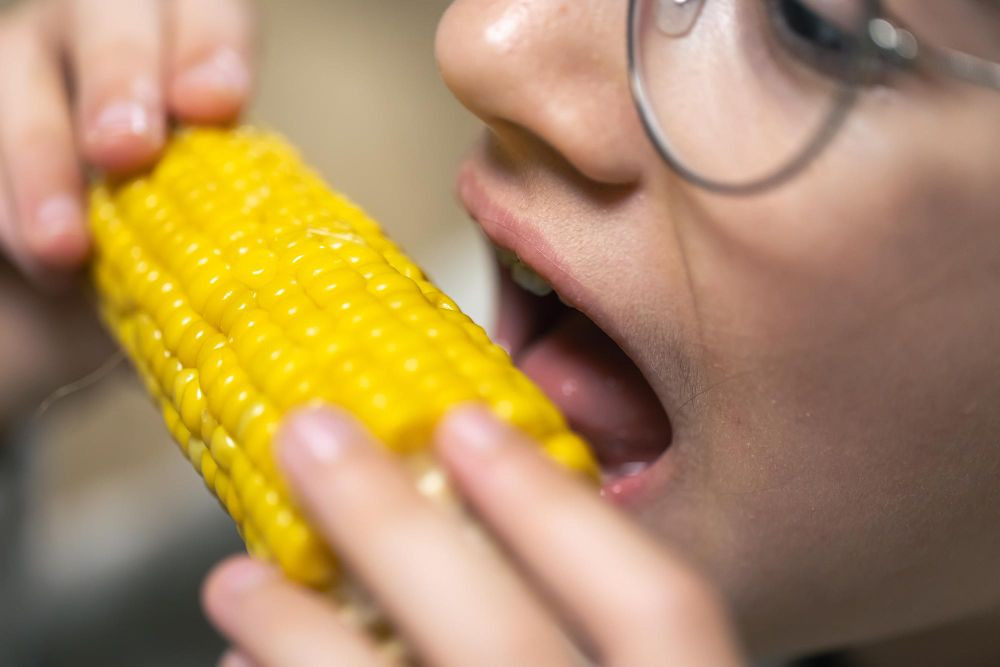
{"x": 889, "y": 214}
{"x": 845, "y": 308}
{"x": 851, "y": 368}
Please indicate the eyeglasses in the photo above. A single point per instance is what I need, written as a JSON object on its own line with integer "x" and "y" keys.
{"x": 740, "y": 95}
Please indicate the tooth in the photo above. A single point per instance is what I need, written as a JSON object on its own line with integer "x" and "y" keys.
{"x": 523, "y": 275}
{"x": 623, "y": 470}
{"x": 505, "y": 257}
{"x": 526, "y": 278}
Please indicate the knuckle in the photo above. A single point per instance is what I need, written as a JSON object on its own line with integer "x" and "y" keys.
{"x": 118, "y": 57}
{"x": 36, "y": 155}
{"x": 35, "y": 138}
{"x": 667, "y": 594}
{"x": 545, "y": 646}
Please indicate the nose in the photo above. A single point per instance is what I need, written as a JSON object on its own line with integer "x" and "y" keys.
{"x": 553, "y": 68}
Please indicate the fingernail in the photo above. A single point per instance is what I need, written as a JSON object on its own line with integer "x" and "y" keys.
{"x": 475, "y": 429}
{"x": 316, "y": 436}
{"x": 225, "y": 70}
{"x": 58, "y": 216}
{"x": 244, "y": 575}
{"x": 124, "y": 117}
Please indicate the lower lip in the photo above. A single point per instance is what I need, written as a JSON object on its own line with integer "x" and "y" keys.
{"x": 627, "y": 489}
{"x": 620, "y": 490}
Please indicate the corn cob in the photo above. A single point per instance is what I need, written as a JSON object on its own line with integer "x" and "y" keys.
{"x": 241, "y": 287}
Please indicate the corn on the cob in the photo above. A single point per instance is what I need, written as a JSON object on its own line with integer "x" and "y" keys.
{"x": 242, "y": 287}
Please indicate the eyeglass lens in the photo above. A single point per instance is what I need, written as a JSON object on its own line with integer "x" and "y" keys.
{"x": 738, "y": 105}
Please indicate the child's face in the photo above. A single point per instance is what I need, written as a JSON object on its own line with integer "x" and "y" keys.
{"x": 826, "y": 353}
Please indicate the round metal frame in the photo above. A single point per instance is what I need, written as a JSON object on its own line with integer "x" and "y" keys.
{"x": 840, "y": 108}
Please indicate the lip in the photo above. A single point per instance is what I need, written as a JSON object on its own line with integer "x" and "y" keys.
{"x": 510, "y": 233}
{"x": 507, "y": 231}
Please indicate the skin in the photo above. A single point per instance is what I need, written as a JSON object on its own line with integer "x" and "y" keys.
{"x": 825, "y": 352}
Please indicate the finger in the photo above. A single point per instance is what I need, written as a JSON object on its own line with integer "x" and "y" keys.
{"x": 235, "y": 658}
{"x": 636, "y": 603}
{"x": 447, "y": 592}
{"x": 10, "y": 243}
{"x": 116, "y": 51}
{"x": 277, "y": 623}
{"x": 209, "y": 68}
{"x": 45, "y": 222}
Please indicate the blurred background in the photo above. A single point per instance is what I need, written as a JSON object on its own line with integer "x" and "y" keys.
{"x": 107, "y": 532}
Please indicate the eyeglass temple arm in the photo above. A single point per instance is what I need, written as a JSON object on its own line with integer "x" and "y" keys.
{"x": 967, "y": 67}
{"x": 899, "y": 46}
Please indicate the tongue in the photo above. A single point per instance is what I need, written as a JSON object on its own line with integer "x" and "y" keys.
{"x": 599, "y": 389}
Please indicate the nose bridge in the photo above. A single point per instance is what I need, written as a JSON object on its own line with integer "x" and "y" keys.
{"x": 555, "y": 68}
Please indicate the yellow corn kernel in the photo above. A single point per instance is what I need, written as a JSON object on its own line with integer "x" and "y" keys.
{"x": 242, "y": 287}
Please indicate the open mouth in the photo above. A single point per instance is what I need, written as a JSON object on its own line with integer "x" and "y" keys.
{"x": 602, "y": 393}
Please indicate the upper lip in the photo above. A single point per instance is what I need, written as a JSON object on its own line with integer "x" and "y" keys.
{"x": 530, "y": 245}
